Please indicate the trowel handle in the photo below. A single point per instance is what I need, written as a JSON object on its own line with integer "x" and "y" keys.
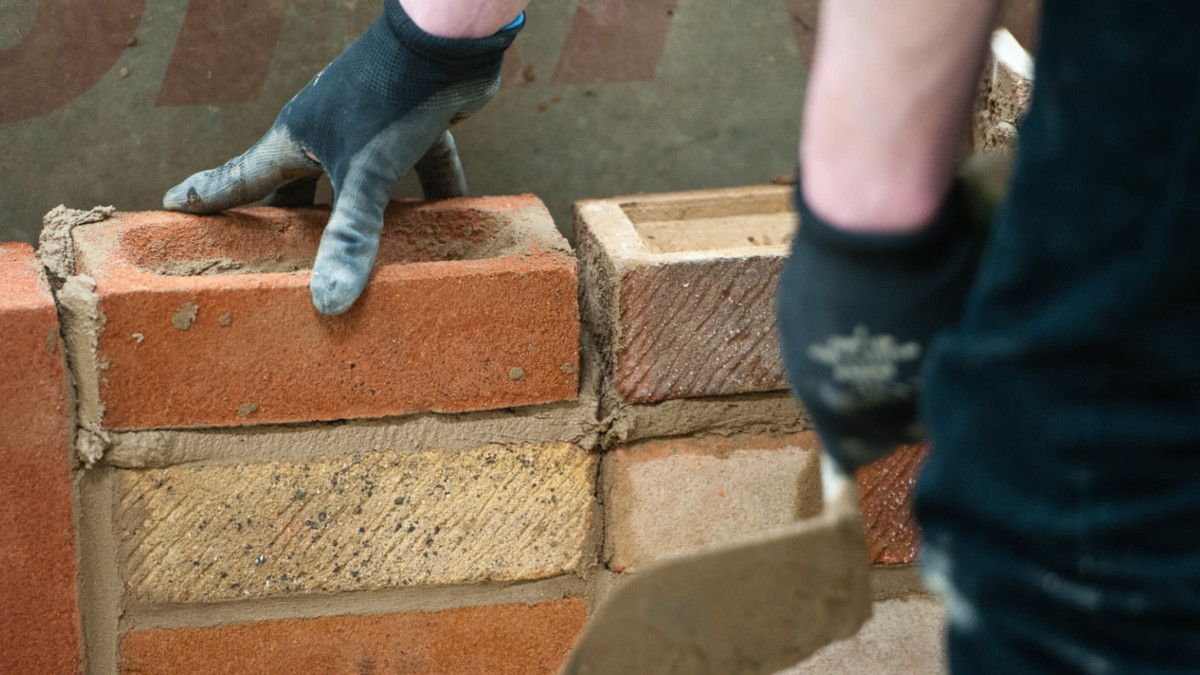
{"x": 440, "y": 170}
{"x": 839, "y": 490}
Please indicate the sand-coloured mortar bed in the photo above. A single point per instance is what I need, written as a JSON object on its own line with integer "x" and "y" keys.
{"x": 205, "y": 321}
{"x": 679, "y": 289}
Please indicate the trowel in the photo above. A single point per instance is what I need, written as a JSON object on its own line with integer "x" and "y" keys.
{"x": 750, "y": 608}
{"x": 760, "y": 605}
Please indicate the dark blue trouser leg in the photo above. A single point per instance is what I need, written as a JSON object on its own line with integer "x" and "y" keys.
{"x": 1061, "y": 502}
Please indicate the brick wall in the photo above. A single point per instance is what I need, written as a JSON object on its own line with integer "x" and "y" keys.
{"x": 202, "y": 474}
{"x": 487, "y": 479}
{"x": 446, "y": 479}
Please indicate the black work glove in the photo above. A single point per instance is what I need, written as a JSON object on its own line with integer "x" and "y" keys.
{"x": 856, "y": 315}
{"x": 365, "y": 121}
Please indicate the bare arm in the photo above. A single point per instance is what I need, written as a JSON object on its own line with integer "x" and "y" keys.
{"x": 886, "y": 109}
{"x": 463, "y": 18}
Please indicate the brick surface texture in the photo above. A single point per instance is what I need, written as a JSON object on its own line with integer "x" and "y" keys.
{"x": 671, "y": 495}
{"x": 886, "y": 492}
{"x": 498, "y": 640}
{"x": 680, "y": 290}
{"x": 39, "y": 623}
{"x": 368, "y": 521}
{"x": 472, "y": 305}
{"x": 701, "y": 328}
{"x": 1003, "y": 99}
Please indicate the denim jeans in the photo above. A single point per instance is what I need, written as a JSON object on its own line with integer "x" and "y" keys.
{"x": 1061, "y": 502}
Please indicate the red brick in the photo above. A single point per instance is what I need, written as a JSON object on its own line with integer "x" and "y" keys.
{"x": 679, "y": 290}
{"x": 39, "y": 624}
{"x": 517, "y": 639}
{"x": 465, "y": 293}
{"x": 672, "y": 495}
{"x": 886, "y": 490}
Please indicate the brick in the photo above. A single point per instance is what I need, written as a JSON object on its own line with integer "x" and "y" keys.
{"x": 886, "y": 493}
{"x": 1005, "y": 94}
{"x": 670, "y": 495}
{"x": 499, "y": 640}
{"x": 367, "y": 521}
{"x": 679, "y": 290}
{"x": 464, "y": 292}
{"x": 39, "y": 627}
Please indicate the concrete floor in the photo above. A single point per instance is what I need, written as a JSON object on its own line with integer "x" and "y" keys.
{"x": 904, "y": 637}
{"x": 719, "y": 108}
{"x": 602, "y": 97}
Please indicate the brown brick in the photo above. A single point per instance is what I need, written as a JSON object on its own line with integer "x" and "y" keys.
{"x": 208, "y": 321}
{"x": 886, "y": 492}
{"x": 498, "y": 640}
{"x": 679, "y": 289}
{"x": 671, "y": 495}
{"x": 39, "y": 624}
{"x": 1005, "y": 93}
{"x": 368, "y": 521}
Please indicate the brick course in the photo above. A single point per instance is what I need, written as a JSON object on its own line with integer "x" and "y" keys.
{"x": 498, "y": 640}
{"x": 39, "y": 624}
{"x": 474, "y": 306}
{"x": 466, "y": 293}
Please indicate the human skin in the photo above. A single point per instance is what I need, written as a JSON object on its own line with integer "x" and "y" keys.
{"x": 463, "y": 18}
{"x": 888, "y": 103}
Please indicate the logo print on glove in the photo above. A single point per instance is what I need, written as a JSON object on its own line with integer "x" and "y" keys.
{"x": 866, "y": 363}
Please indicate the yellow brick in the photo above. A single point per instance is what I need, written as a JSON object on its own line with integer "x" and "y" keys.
{"x": 366, "y": 521}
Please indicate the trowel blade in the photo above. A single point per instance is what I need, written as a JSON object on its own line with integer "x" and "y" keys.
{"x": 754, "y": 607}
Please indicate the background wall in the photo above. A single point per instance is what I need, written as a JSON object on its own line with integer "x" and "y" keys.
{"x": 115, "y": 101}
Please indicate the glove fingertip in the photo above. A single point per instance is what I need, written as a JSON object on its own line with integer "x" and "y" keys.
{"x": 183, "y": 197}
{"x": 335, "y": 291}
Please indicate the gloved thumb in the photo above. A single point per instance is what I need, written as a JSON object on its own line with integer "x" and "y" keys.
{"x": 276, "y": 159}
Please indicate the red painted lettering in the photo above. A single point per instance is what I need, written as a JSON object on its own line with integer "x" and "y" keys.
{"x": 224, "y": 52}
{"x": 70, "y": 46}
{"x": 614, "y": 41}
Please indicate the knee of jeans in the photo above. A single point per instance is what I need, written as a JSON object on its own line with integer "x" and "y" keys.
{"x": 937, "y": 570}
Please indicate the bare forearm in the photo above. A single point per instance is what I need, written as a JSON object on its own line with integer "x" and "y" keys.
{"x": 463, "y": 18}
{"x": 886, "y": 108}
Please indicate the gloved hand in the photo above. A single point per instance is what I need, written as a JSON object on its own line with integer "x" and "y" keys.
{"x": 856, "y": 315}
{"x": 364, "y": 120}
